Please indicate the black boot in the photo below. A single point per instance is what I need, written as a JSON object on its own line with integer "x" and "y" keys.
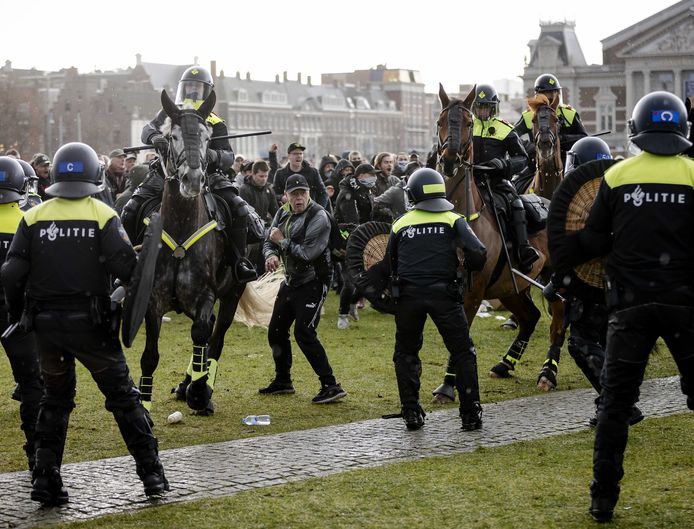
{"x": 472, "y": 418}
{"x": 602, "y": 501}
{"x": 525, "y": 253}
{"x": 151, "y": 473}
{"x": 413, "y": 417}
{"x": 244, "y": 271}
{"x": 46, "y": 483}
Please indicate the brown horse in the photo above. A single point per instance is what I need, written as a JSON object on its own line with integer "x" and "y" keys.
{"x": 455, "y": 162}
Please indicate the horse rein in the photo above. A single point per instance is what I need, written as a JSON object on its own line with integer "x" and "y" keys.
{"x": 188, "y": 133}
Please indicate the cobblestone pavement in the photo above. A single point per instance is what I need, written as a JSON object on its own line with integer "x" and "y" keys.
{"x": 111, "y": 485}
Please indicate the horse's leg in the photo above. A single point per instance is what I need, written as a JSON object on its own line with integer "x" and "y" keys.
{"x": 225, "y": 317}
{"x": 445, "y": 393}
{"x": 198, "y": 392}
{"x": 547, "y": 379}
{"x": 150, "y": 357}
{"x": 528, "y": 315}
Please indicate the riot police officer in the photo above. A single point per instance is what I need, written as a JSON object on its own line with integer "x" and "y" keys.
{"x": 497, "y": 147}
{"x": 642, "y": 219}
{"x": 195, "y": 85}
{"x": 585, "y": 311}
{"x": 69, "y": 308}
{"x": 571, "y": 127}
{"x": 424, "y": 265}
{"x": 30, "y": 193}
{"x": 20, "y": 346}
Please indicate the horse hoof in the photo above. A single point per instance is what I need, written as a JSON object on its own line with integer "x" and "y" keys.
{"x": 500, "y": 370}
{"x": 179, "y": 391}
{"x": 198, "y": 395}
{"x": 544, "y": 384}
{"x": 444, "y": 394}
{"x": 207, "y": 412}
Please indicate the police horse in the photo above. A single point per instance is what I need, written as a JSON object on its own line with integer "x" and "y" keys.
{"x": 495, "y": 281}
{"x": 191, "y": 269}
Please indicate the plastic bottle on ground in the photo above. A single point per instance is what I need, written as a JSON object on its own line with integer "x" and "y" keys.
{"x": 256, "y": 420}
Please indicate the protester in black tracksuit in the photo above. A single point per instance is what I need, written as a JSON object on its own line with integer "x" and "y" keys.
{"x": 21, "y": 346}
{"x": 69, "y": 308}
{"x": 297, "y": 165}
{"x": 299, "y": 236}
{"x": 424, "y": 260}
{"x": 642, "y": 219}
{"x": 353, "y": 207}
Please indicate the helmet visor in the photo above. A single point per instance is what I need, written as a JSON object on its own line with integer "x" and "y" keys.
{"x": 485, "y": 111}
{"x": 572, "y": 162}
{"x": 192, "y": 93}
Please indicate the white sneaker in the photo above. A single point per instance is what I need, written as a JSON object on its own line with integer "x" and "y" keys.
{"x": 354, "y": 312}
{"x": 342, "y": 321}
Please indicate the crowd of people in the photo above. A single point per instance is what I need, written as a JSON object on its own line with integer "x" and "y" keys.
{"x": 54, "y": 315}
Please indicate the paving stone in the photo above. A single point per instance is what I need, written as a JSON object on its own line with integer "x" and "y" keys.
{"x": 111, "y": 486}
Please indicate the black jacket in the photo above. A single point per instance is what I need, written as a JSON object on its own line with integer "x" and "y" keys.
{"x": 354, "y": 203}
{"x": 262, "y": 199}
{"x": 495, "y": 139}
{"x": 318, "y": 191}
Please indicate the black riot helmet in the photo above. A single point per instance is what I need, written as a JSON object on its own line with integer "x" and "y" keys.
{"x": 658, "y": 124}
{"x": 586, "y": 150}
{"x": 546, "y": 82}
{"x": 427, "y": 189}
{"x": 76, "y": 172}
{"x": 30, "y": 178}
{"x": 11, "y": 180}
{"x": 485, "y": 97}
{"x": 195, "y": 86}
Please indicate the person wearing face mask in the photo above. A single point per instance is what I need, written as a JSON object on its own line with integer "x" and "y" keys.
{"x": 326, "y": 168}
{"x": 401, "y": 161}
{"x": 353, "y": 207}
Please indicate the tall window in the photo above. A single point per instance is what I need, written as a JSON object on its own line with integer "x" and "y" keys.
{"x": 605, "y": 103}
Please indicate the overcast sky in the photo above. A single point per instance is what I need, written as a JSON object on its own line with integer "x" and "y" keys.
{"x": 448, "y": 41}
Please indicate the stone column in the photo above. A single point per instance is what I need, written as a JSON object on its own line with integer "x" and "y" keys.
{"x": 646, "y": 81}
{"x": 678, "y": 90}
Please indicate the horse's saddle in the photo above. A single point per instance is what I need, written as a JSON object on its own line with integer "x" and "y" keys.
{"x": 536, "y": 209}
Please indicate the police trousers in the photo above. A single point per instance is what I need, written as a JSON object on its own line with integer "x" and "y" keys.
{"x": 61, "y": 338}
{"x": 300, "y": 306}
{"x": 445, "y": 307}
{"x": 632, "y": 333}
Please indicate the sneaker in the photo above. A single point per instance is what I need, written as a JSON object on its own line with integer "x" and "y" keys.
{"x": 47, "y": 487}
{"x": 278, "y": 388}
{"x": 329, "y": 394}
{"x": 472, "y": 419}
{"x": 602, "y": 501}
{"x": 342, "y": 322}
{"x": 153, "y": 478}
{"x": 413, "y": 417}
{"x": 354, "y": 312}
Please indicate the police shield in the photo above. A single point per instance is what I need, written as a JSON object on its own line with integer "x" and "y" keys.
{"x": 568, "y": 212}
{"x": 368, "y": 266}
{"x": 141, "y": 282}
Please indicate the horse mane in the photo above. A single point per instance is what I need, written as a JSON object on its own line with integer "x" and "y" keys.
{"x": 536, "y": 101}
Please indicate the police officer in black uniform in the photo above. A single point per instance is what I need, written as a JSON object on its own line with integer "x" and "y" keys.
{"x": 20, "y": 346}
{"x": 642, "y": 219}
{"x": 496, "y": 146}
{"x": 195, "y": 86}
{"x": 585, "y": 311}
{"x": 30, "y": 193}
{"x": 69, "y": 308}
{"x": 426, "y": 281}
{"x": 571, "y": 127}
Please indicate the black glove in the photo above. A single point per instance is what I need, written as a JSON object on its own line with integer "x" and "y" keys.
{"x": 550, "y": 292}
{"x": 497, "y": 164}
{"x": 159, "y": 142}
{"x": 212, "y": 156}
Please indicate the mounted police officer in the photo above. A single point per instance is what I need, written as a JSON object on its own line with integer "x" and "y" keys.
{"x": 426, "y": 281}
{"x": 195, "y": 86}
{"x": 585, "y": 311}
{"x": 60, "y": 260}
{"x": 641, "y": 219}
{"x": 496, "y": 146}
{"x": 20, "y": 346}
{"x": 571, "y": 127}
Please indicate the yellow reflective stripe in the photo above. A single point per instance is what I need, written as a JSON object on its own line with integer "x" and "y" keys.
{"x": 528, "y": 119}
{"x": 474, "y": 216}
{"x": 213, "y": 119}
{"x": 57, "y": 209}
{"x": 647, "y": 168}
{"x": 434, "y": 188}
{"x": 568, "y": 113}
{"x": 500, "y": 129}
{"x": 190, "y": 241}
{"x": 415, "y": 217}
{"x": 10, "y": 217}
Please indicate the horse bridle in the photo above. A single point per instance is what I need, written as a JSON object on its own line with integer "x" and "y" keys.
{"x": 191, "y": 133}
{"x": 450, "y": 169}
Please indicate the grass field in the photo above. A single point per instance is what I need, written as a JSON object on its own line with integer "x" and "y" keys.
{"x": 362, "y": 360}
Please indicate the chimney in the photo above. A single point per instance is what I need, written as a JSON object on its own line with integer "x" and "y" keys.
{"x": 238, "y": 74}
{"x": 138, "y": 59}
{"x": 248, "y": 76}
{"x": 298, "y": 78}
{"x": 195, "y": 60}
{"x": 308, "y": 80}
{"x": 284, "y": 75}
{"x": 213, "y": 69}
{"x": 277, "y": 78}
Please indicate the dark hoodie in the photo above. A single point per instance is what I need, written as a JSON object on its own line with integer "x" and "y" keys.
{"x": 318, "y": 191}
{"x": 329, "y": 158}
{"x": 354, "y": 203}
